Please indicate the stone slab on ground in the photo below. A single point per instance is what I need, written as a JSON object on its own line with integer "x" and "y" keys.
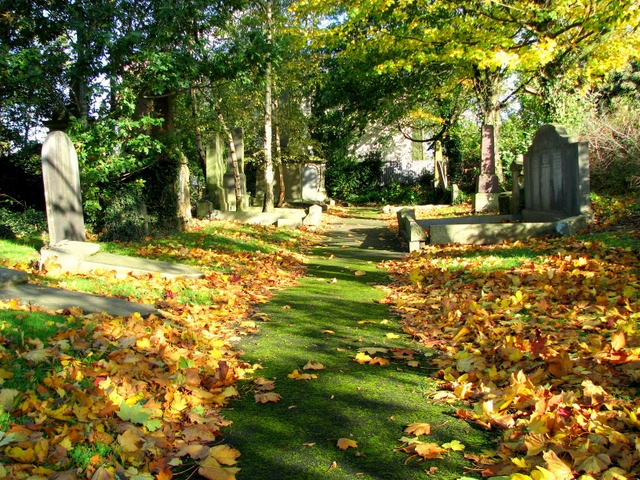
{"x": 285, "y": 217}
{"x": 488, "y": 233}
{"x": 123, "y": 265}
{"x": 84, "y": 257}
{"x": 9, "y": 278}
{"x": 57, "y": 299}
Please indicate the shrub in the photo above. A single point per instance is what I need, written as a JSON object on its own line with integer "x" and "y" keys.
{"x": 614, "y": 150}
{"x": 122, "y": 220}
{"x": 24, "y": 223}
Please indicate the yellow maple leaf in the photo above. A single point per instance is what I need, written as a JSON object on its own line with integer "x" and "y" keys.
{"x": 21, "y": 455}
{"x": 218, "y": 473}
{"x": 362, "y": 357}
{"x": 7, "y": 397}
{"x": 301, "y": 376}
{"x": 618, "y": 340}
{"x": 418, "y": 429}
{"x": 129, "y": 441}
{"x": 345, "y": 443}
{"x": 224, "y": 454}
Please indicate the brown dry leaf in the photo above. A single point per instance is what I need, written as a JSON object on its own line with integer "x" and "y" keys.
{"x": 267, "y": 397}
{"x": 313, "y": 366}
{"x": 130, "y": 441}
{"x": 328, "y": 332}
{"x": 560, "y": 469}
{"x": 345, "y": 443}
{"x": 359, "y": 273}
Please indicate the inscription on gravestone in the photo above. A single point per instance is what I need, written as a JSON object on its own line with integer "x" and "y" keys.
{"x": 63, "y": 197}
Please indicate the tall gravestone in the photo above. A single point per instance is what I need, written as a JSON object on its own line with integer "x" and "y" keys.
{"x": 63, "y": 197}
{"x": 216, "y": 168}
{"x": 556, "y": 176}
{"x": 488, "y": 187}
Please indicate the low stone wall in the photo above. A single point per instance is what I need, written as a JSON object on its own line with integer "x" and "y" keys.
{"x": 480, "y": 229}
{"x": 409, "y": 229}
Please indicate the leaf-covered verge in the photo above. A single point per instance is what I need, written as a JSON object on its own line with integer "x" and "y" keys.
{"x": 540, "y": 339}
{"x": 95, "y": 396}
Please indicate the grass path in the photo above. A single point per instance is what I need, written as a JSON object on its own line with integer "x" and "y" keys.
{"x": 296, "y": 438}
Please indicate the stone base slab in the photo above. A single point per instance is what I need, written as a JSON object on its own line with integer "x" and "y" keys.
{"x": 85, "y": 257}
{"x": 486, "y": 202}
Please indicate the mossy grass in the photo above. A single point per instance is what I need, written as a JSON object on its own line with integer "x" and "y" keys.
{"x": 332, "y": 314}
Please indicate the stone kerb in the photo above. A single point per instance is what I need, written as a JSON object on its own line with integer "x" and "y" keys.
{"x": 410, "y": 230}
{"x": 556, "y": 176}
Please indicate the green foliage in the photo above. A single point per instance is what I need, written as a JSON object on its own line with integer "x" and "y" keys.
{"x": 27, "y": 223}
{"x": 121, "y": 219}
{"x": 81, "y": 455}
{"x": 350, "y": 179}
{"x": 110, "y": 151}
{"x": 461, "y": 146}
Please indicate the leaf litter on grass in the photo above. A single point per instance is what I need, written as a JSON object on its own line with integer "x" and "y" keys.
{"x": 142, "y": 396}
{"x": 547, "y": 352}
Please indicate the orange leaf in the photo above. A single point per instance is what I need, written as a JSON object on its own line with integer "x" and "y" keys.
{"x": 379, "y": 361}
{"x": 345, "y": 443}
{"x": 429, "y": 450}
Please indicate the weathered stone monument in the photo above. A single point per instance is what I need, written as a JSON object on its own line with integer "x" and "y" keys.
{"x": 556, "y": 176}
{"x": 517, "y": 184}
{"x": 488, "y": 187}
{"x": 440, "y": 169}
{"x": 63, "y": 197}
{"x": 221, "y": 185}
{"x": 303, "y": 182}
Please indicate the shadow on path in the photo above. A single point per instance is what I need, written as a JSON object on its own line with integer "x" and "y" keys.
{"x": 326, "y": 319}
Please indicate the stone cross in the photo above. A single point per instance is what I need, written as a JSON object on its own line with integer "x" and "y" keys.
{"x": 63, "y": 198}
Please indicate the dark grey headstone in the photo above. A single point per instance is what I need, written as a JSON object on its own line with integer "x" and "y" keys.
{"x": 556, "y": 176}
{"x": 62, "y": 189}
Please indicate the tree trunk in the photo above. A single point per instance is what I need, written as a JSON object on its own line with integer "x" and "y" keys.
{"x": 268, "y": 127}
{"x": 199, "y": 144}
{"x": 234, "y": 161}
{"x": 487, "y": 86}
{"x": 279, "y": 162}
